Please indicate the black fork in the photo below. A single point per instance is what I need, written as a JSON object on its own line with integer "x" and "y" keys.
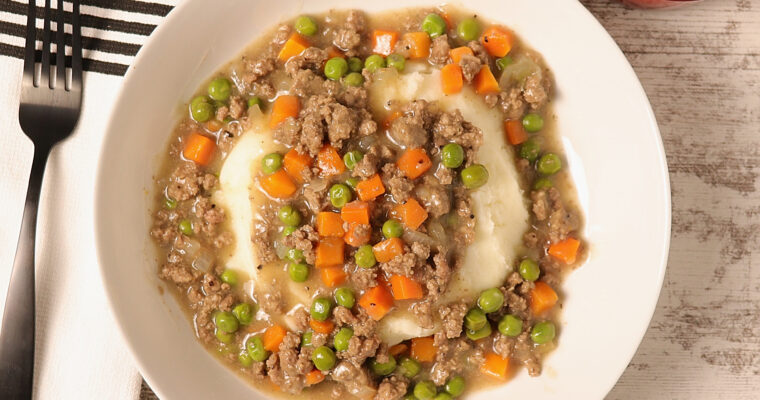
{"x": 49, "y": 110}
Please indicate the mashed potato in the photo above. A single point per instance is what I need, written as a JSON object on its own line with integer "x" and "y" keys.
{"x": 499, "y": 206}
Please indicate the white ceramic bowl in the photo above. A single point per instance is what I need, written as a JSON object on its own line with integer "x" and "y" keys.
{"x": 610, "y": 137}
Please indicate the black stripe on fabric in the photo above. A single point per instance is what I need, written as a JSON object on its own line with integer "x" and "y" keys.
{"x": 87, "y": 20}
{"x": 131, "y": 6}
{"x": 88, "y": 64}
{"x": 89, "y": 43}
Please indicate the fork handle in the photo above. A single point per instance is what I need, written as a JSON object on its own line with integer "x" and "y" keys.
{"x": 17, "y": 334}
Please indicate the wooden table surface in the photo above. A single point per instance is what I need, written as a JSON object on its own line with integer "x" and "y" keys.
{"x": 700, "y": 67}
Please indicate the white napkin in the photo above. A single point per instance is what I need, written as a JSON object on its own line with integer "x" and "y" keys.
{"x": 79, "y": 351}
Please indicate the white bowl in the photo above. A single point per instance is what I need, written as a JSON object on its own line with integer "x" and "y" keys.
{"x": 610, "y": 136}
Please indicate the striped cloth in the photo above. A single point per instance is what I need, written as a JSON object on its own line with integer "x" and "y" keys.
{"x": 79, "y": 352}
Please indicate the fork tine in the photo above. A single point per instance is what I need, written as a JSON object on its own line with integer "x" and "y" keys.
{"x": 60, "y": 52}
{"x": 76, "y": 49}
{"x": 31, "y": 44}
{"x": 46, "y": 72}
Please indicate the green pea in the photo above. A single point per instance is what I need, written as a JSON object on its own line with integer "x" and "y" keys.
{"x": 289, "y": 216}
{"x": 503, "y": 62}
{"x": 245, "y": 359}
{"x": 543, "y": 332}
{"x": 298, "y": 272}
{"x": 475, "y": 319}
{"x": 352, "y": 182}
{"x": 294, "y": 255}
{"x": 288, "y": 230}
{"x": 170, "y": 204}
{"x": 219, "y": 89}
{"x": 424, "y": 390}
{"x": 340, "y": 194}
{"x": 532, "y": 122}
{"x": 271, "y": 163}
{"x": 354, "y": 79}
{"x": 345, "y": 297}
{"x": 200, "y": 109}
{"x": 365, "y": 257}
{"x": 474, "y": 176}
{"x": 478, "y": 334}
{"x": 455, "y": 386}
{"x": 244, "y": 313}
{"x": 510, "y": 325}
{"x": 323, "y": 358}
{"x": 530, "y": 149}
{"x": 491, "y": 300}
{"x": 442, "y": 396}
{"x": 352, "y": 158}
{"x": 434, "y": 25}
{"x": 374, "y": 62}
{"x": 355, "y": 64}
{"x": 452, "y": 155}
{"x": 340, "y": 342}
{"x": 305, "y": 25}
{"x": 392, "y": 229}
{"x": 529, "y": 270}
{"x": 226, "y": 321}
{"x": 409, "y": 367}
{"x": 549, "y": 164}
{"x": 255, "y": 348}
{"x": 396, "y": 61}
{"x": 254, "y": 101}
{"x": 385, "y": 368}
{"x": 224, "y": 337}
{"x": 468, "y": 29}
{"x": 321, "y": 308}
{"x": 542, "y": 183}
{"x": 186, "y": 227}
{"x": 229, "y": 276}
{"x": 335, "y": 68}
{"x": 306, "y": 338}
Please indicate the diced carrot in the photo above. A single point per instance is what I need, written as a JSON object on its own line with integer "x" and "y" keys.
{"x": 414, "y": 162}
{"x": 516, "y": 133}
{"x": 356, "y": 212}
{"x": 284, "y": 106}
{"x": 273, "y": 336}
{"x": 419, "y": 44}
{"x": 497, "y": 41}
{"x": 357, "y": 234}
{"x": 390, "y": 118}
{"x": 333, "y": 51}
{"x": 329, "y": 252}
{"x": 495, "y": 366}
{"x": 451, "y": 79}
{"x": 329, "y": 224}
{"x": 457, "y": 53}
{"x": 405, "y": 288}
{"x": 383, "y": 41}
{"x": 333, "y": 276}
{"x": 321, "y": 326}
{"x": 388, "y": 249}
{"x": 329, "y": 161}
{"x": 565, "y": 250}
{"x": 377, "y": 301}
{"x": 542, "y": 298}
{"x": 397, "y": 349}
{"x": 295, "y": 163}
{"x": 411, "y": 214}
{"x": 295, "y": 45}
{"x": 423, "y": 349}
{"x": 371, "y": 188}
{"x": 446, "y": 17}
{"x": 485, "y": 82}
{"x": 314, "y": 376}
{"x": 199, "y": 149}
{"x": 278, "y": 185}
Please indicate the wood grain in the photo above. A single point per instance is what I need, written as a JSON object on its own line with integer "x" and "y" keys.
{"x": 700, "y": 66}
